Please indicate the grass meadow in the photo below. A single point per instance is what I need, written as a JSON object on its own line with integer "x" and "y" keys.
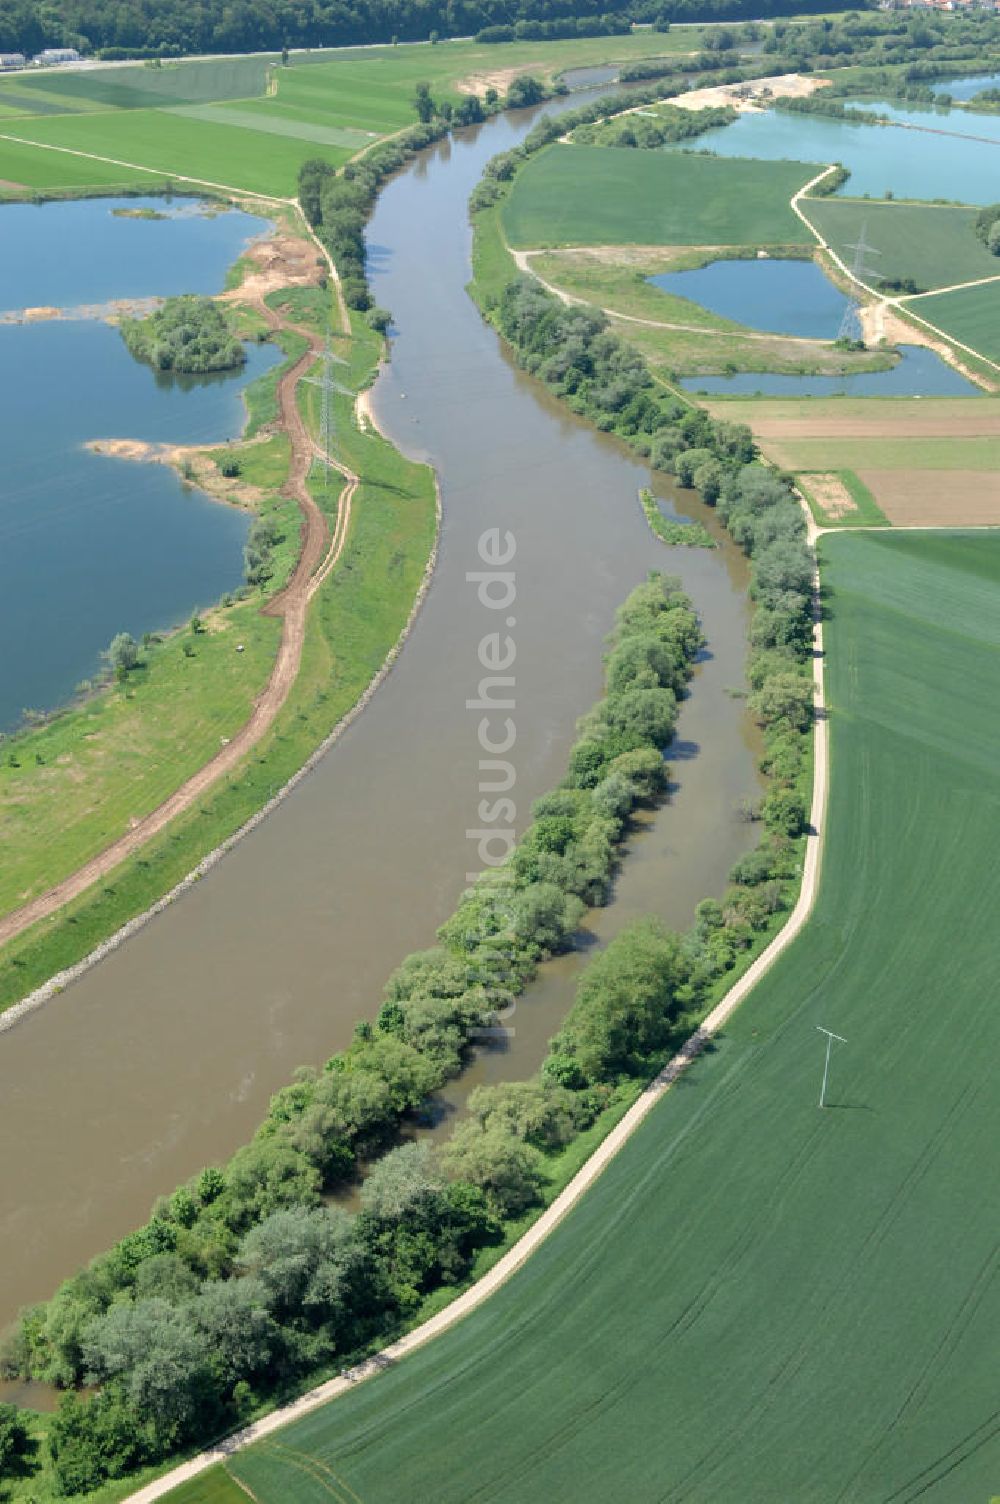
{"x": 934, "y": 244}
{"x": 600, "y": 195}
{"x": 138, "y": 87}
{"x": 759, "y": 1299}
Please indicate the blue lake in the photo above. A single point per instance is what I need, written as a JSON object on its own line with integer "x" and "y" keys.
{"x": 879, "y": 158}
{"x": 919, "y": 373}
{"x": 783, "y": 296}
{"x": 70, "y": 253}
{"x": 91, "y": 545}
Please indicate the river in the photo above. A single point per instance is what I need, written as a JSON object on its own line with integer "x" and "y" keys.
{"x": 162, "y": 1058}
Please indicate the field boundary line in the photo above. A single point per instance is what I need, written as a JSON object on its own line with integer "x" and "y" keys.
{"x": 933, "y": 292}
{"x": 158, "y": 172}
{"x": 591, "y": 1170}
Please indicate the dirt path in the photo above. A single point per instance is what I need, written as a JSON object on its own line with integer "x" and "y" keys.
{"x": 523, "y": 262}
{"x": 317, "y": 556}
{"x": 598, "y": 1161}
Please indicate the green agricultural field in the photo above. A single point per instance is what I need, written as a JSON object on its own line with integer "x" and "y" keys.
{"x": 24, "y": 166}
{"x": 215, "y": 121}
{"x": 759, "y": 1300}
{"x": 599, "y": 195}
{"x": 934, "y": 244}
{"x": 367, "y": 88}
{"x": 882, "y": 433}
{"x": 227, "y": 155}
{"x": 971, "y": 316}
{"x": 213, "y": 1487}
{"x": 140, "y": 87}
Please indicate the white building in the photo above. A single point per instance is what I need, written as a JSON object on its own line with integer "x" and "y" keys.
{"x": 9, "y": 60}
{"x": 57, "y": 55}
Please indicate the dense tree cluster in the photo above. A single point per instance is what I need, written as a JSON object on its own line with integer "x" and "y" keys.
{"x": 987, "y": 226}
{"x": 671, "y": 124}
{"x": 929, "y": 43}
{"x": 830, "y": 107}
{"x": 561, "y": 28}
{"x": 171, "y": 28}
{"x": 188, "y": 333}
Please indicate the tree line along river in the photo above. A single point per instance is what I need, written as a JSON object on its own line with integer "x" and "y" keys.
{"x": 162, "y": 1058}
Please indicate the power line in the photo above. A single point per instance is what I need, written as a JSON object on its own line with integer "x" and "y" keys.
{"x": 328, "y": 385}
{"x": 850, "y": 324}
{"x": 830, "y": 1037}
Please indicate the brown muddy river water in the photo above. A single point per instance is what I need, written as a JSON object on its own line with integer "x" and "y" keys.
{"x": 162, "y": 1058}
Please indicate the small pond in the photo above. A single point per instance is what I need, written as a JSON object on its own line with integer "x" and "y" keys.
{"x": 781, "y": 296}
{"x": 919, "y": 373}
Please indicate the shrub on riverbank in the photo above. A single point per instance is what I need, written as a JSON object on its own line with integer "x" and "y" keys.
{"x": 188, "y": 334}
{"x": 670, "y": 125}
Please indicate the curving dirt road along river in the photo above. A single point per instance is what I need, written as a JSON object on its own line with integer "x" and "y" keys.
{"x": 162, "y": 1058}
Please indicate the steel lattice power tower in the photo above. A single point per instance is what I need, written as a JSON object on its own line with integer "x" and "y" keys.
{"x": 850, "y": 324}
{"x": 328, "y": 385}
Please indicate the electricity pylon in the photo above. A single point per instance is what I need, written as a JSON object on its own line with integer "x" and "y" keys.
{"x": 328, "y": 385}
{"x": 850, "y": 324}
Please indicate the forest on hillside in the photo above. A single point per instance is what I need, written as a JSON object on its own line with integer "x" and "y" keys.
{"x": 114, "y": 28}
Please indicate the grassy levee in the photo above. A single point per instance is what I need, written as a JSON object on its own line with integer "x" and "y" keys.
{"x": 934, "y": 244}
{"x": 603, "y": 195}
{"x": 757, "y": 1299}
{"x": 355, "y": 619}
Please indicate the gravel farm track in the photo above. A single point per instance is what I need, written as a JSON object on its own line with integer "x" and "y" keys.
{"x": 318, "y": 554}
